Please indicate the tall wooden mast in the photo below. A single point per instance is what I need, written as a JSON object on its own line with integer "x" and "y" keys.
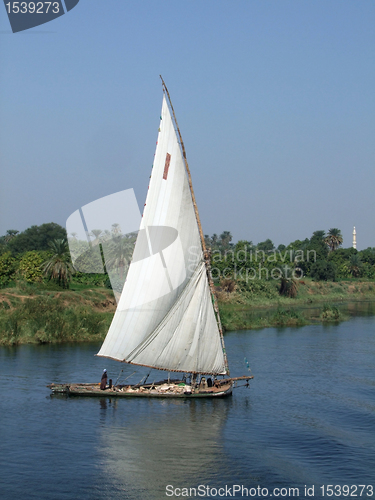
{"x": 206, "y": 253}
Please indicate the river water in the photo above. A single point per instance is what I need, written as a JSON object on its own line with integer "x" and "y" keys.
{"x": 307, "y": 420}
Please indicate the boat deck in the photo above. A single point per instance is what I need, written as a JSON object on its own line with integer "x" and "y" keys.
{"x": 165, "y": 390}
{"x": 162, "y": 389}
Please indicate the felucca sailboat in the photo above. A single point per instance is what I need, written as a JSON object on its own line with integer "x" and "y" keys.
{"x": 167, "y": 317}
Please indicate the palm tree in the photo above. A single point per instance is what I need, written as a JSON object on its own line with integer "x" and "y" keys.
{"x": 225, "y": 238}
{"x": 106, "y": 236}
{"x": 318, "y": 236}
{"x": 120, "y": 253}
{"x": 289, "y": 285}
{"x": 334, "y": 238}
{"x": 116, "y": 228}
{"x": 58, "y": 267}
{"x": 355, "y": 265}
{"x": 207, "y": 241}
{"x": 11, "y": 233}
{"x": 96, "y": 233}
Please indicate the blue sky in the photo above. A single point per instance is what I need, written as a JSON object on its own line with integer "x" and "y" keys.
{"x": 275, "y": 102}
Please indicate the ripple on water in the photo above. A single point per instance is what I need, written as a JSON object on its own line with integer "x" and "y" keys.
{"x": 308, "y": 418}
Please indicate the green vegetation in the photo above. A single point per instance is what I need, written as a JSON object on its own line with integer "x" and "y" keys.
{"x": 259, "y": 304}
{"x": 33, "y": 238}
{"x": 58, "y": 266}
{"x": 42, "y": 298}
{"x": 30, "y": 267}
{"x": 330, "y": 313}
{"x": 45, "y": 313}
{"x": 235, "y": 318}
{"x": 319, "y": 257}
{"x": 333, "y": 239}
{"x": 7, "y": 268}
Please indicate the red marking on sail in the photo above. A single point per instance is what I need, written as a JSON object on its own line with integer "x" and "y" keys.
{"x": 166, "y": 166}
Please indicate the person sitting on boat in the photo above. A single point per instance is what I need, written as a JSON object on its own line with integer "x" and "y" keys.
{"x": 103, "y": 382}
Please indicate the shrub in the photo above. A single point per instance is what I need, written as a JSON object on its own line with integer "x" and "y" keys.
{"x": 29, "y": 267}
{"x": 7, "y": 268}
{"x": 323, "y": 271}
{"x": 330, "y": 313}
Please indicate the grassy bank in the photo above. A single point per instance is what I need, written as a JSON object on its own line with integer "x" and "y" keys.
{"x": 48, "y": 314}
{"x": 259, "y": 305}
{"x": 37, "y": 314}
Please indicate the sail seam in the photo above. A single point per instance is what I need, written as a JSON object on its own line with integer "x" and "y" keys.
{"x": 170, "y": 313}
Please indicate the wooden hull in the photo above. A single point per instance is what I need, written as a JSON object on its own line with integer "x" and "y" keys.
{"x": 157, "y": 391}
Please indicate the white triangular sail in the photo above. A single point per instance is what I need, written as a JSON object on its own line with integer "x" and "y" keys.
{"x": 165, "y": 318}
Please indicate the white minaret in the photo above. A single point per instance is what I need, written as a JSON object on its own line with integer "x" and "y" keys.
{"x": 354, "y": 238}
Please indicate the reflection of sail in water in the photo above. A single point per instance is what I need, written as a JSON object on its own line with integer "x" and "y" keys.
{"x": 177, "y": 443}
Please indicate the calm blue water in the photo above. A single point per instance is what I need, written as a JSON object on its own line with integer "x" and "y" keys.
{"x": 308, "y": 419}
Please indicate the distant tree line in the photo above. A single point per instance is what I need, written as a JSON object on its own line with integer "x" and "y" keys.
{"x": 320, "y": 257}
{"x": 37, "y": 254}
{"x": 41, "y": 253}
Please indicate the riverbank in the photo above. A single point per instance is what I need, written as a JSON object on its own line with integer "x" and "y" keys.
{"x": 261, "y": 306}
{"x": 47, "y": 314}
{"x": 37, "y": 314}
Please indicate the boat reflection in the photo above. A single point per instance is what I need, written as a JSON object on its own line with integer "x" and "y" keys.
{"x": 176, "y": 442}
